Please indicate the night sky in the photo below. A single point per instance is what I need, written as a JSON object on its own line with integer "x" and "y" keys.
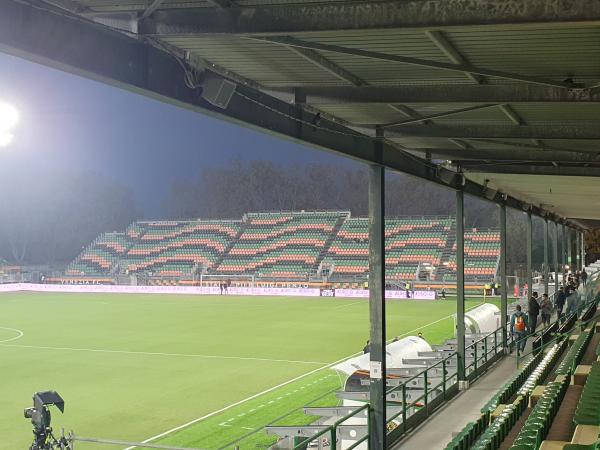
{"x": 68, "y": 121}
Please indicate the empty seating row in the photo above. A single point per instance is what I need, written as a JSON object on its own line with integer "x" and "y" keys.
{"x": 574, "y": 355}
{"x": 502, "y": 424}
{"x": 288, "y": 245}
{"x": 511, "y": 387}
{"x": 588, "y": 408}
{"x": 469, "y": 434}
{"x": 538, "y": 423}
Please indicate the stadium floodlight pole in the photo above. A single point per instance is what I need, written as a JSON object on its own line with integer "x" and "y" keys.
{"x": 546, "y": 271}
{"x": 555, "y": 246}
{"x": 503, "y": 281}
{"x": 378, "y": 425}
{"x": 460, "y": 287}
{"x": 529, "y": 254}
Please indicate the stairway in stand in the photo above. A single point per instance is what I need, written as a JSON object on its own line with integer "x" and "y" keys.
{"x": 329, "y": 241}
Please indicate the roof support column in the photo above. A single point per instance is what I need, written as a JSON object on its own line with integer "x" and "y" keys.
{"x": 578, "y": 249}
{"x": 570, "y": 261}
{"x": 555, "y": 258}
{"x": 503, "y": 282}
{"x": 378, "y": 428}
{"x": 582, "y": 250}
{"x": 460, "y": 285}
{"x": 564, "y": 253}
{"x": 529, "y": 255}
{"x": 546, "y": 270}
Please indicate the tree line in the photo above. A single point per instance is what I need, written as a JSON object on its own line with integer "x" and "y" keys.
{"x": 48, "y": 217}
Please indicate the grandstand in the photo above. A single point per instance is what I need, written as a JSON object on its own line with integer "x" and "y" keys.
{"x": 328, "y": 245}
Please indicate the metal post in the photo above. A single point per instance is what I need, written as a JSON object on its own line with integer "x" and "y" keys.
{"x": 578, "y": 249}
{"x": 377, "y": 438}
{"x": 570, "y": 248}
{"x": 564, "y": 252}
{"x": 460, "y": 286}
{"x": 503, "y": 280}
{"x": 529, "y": 254}
{"x": 582, "y": 250}
{"x": 546, "y": 271}
{"x": 555, "y": 258}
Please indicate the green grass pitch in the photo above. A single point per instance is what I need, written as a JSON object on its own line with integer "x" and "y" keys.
{"x": 134, "y": 366}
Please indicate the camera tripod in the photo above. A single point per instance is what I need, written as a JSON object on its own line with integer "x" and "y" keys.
{"x": 45, "y": 440}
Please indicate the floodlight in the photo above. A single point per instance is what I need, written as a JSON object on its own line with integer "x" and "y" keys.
{"x": 567, "y": 267}
{"x": 9, "y": 117}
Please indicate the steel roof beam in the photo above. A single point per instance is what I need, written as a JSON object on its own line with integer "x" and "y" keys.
{"x": 329, "y": 66}
{"x": 92, "y": 51}
{"x": 511, "y": 154}
{"x": 511, "y": 114}
{"x": 436, "y": 116}
{"x": 442, "y": 42}
{"x": 150, "y": 9}
{"x": 525, "y": 169}
{"x": 289, "y": 41}
{"x": 549, "y": 132}
{"x": 369, "y": 15}
{"x": 511, "y": 93}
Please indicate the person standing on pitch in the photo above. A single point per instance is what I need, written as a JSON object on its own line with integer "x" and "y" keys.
{"x": 533, "y": 310}
{"x": 518, "y": 328}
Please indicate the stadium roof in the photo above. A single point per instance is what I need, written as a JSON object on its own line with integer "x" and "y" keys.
{"x": 505, "y": 92}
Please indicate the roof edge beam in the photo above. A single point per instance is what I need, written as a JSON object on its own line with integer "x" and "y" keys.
{"x": 369, "y": 15}
{"x": 92, "y": 51}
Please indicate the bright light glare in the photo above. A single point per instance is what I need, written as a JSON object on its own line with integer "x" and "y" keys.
{"x": 9, "y": 117}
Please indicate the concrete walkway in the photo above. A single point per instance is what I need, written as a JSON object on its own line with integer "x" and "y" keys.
{"x": 437, "y": 430}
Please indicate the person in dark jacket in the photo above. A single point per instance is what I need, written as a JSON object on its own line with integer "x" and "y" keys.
{"x": 561, "y": 299}
{"x": 584, "y": 276}
{"x": 533, "y": 311}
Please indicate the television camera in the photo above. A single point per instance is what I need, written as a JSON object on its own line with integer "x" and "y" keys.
{"x": 40, "y": 417}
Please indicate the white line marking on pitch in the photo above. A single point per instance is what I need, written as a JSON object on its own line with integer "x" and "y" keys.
{"x": 14, "y": 338}
{"x": 350, "y": 304}
{"x": 126, "y": 352}
{"x": 252, "y": 397}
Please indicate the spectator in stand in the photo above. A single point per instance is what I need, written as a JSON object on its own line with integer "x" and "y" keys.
{"x": 546, "y": 308}
{"x": 584, "y": 276}
{"x": 561, "y": 299}
{"x": 572, "y": 301}
{"x": 533, "y": 310}
{"x": 518, "y": 328}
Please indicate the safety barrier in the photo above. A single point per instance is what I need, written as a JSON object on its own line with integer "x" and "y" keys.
{"x": 415, "y": 411}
